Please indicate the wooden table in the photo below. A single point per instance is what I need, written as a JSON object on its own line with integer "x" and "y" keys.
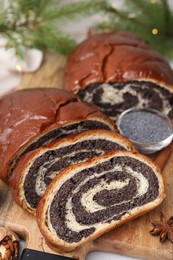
{"x": 132, "y": 238}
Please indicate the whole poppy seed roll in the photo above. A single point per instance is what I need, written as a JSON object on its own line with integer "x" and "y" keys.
{"x": 117, "y": 71}
{"x": 88, "y": 199}
{"x": 35, "y": 171}
{"x": 31, "y": 118}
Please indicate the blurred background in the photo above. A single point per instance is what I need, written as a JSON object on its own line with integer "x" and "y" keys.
{"x": 30, "y": 29}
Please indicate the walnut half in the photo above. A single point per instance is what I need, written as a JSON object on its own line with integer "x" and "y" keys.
{"x": 9, "y": 245}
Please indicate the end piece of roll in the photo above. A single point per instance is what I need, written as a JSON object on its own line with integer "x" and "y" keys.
{"x": 117, "y": 71}
{"x": 31, "y": 118}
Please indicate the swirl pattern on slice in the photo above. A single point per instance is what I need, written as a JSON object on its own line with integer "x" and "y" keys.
{"x": 90, "y": 198}
{"x": 60, "y": 132}
{"x": 115, "y": 97}
{"x": 36, "y": 170}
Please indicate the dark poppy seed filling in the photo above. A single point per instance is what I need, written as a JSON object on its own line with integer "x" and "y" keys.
{"x": 115, "y": 97}
{"x": 48, "y": 164}
{"x": 64, "y": 131}
{"x": 96, "y": 196}
{"x": 58, "y": 133}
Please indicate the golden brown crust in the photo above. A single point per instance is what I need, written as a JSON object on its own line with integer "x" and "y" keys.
{"x": 41, "y": 209}
{"x": 24, "y": 114}
{"x": 115, "y": 57}
{"x": 76, "y": 111}
{"x": 16, "y": 180}
{"x": 27, "y": 114}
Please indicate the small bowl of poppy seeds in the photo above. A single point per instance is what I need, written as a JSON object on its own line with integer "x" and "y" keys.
{"x": 148, "y": 129}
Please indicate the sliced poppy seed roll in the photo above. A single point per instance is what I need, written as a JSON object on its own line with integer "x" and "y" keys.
{"x": 31, "y": 118}
{"x": 88, "y": 199}
{"x": 113, "y": 98}
{"x": 34, "y": 172}
{"x": 117, "y": 71}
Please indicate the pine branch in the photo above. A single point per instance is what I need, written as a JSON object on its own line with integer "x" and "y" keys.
{"x": 152, "y": 21}
{"x": 55, "y": 40}
{"x": 144, "y": 8}
{"x": 125, "y": 16}
{"x": 75, "y": 10}
{"x": 34, "y": 23}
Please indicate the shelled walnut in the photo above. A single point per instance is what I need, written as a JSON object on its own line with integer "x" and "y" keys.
{"x": 9, "y": 245}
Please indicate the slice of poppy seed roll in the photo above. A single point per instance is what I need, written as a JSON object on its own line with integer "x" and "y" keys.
{"x": 117, "y": 71}
{"x": 88, "y": 199}
{"x": 31, "y": 118}
{"x": 35, "y": 171}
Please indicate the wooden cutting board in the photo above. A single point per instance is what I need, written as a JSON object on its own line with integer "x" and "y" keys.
{"x": 132, "y": 238}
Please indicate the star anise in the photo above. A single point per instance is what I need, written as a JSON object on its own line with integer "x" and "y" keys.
{"x": 163, "y": 228}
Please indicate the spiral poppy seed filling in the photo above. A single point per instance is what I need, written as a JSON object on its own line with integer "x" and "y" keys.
{"x": 57, "y": 133}
{"x": 65, "y": 131}
{"x": 98, "y": 195}
{"x": 115, "y": 97}
{"x": 47, "y": 165}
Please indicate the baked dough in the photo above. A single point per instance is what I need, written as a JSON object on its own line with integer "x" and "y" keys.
{"x": 88, "y": 199}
